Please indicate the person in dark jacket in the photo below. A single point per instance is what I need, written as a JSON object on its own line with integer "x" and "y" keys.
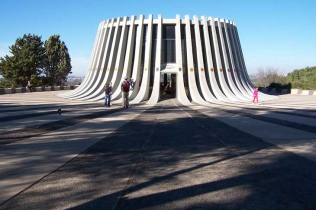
{"x": 29, "y": 86}
{"x": 125, "y": 86}
{"x": 108, "y": 93}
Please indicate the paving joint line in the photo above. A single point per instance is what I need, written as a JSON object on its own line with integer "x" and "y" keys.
{"x": 238, "y": 155}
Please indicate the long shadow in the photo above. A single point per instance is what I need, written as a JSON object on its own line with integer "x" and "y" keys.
{"x": 299, "y": 126}
{"x": 168, "y": 160}
{"x": 40, "y": 107}
{"x": 32, "y": 131}
{"x": 36, "y": 111}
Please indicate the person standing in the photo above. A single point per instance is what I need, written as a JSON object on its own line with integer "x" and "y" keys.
{"x": 255, "y": 96}
{"x": 108, "y": 93}
{"x": 125, "y": 86}
{"x": 132, "y": 84}
{"x": 29, "y": 85}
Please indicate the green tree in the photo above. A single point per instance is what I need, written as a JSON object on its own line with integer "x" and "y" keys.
{"x": 57, "y": 61}
{"x": 303, "y": 78}
{"x": 25, "y": 62}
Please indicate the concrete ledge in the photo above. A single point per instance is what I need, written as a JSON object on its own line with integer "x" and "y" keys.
{"x": 8, "y": 91}
{"x": 27, "y": 90}
{"x": 39, "y": 89}
{"x": 66, "y": 87}
{"x": 296, "y": 91}
{"x": 36, "y": 89}
{"x": 307, "y": 92}
{"x": 49, "y": 88}
{"x": 19, "y": 90}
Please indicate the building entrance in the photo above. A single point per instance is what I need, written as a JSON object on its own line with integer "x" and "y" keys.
{"x": 168, "y": 85}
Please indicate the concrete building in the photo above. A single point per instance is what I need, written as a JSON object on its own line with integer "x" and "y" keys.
{"x": 196, "y": 60}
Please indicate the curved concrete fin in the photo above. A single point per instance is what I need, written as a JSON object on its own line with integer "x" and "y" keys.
{"x": 238, "y": 63}
{"x": 101, "y": 56}
{"x": 118, "y": 68}
{"x": 154, "y": 98}
{"x": 208, "y": 57}
{"x": 97, "y": 91}
{"x": 137, "y": 59}
{"x": 232, "y": 56}
{"x": 194, "y": 92}
{"x": 240, "y": 68}
{"x": 243, "y": 70}
{"x": 143, "y": 93}
{"x": 219, "y": 68}
{"x": 208, "y": 96}
{"x": 126, "y": 72}
{"x": 90, "y": 67}
{"x": 226, "y": 68}
{"x": 180, "y": 90}
{"x": 210, "y": 70}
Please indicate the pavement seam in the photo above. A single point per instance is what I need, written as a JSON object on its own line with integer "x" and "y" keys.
{"x": 286, "y": 123}
{"x": 34, "y": 131}
{"x": 125, "y": 191}
{"x": 238, "y": 155}
{"x": 61, "y": 166}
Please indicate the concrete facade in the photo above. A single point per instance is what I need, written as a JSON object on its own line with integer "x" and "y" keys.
{"x": 201, "y": 58}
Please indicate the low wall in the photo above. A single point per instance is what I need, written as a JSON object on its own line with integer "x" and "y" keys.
{"x": 296, "y": 91}
{"x": 275, "y": 91}
{"x": 36, "y": 89}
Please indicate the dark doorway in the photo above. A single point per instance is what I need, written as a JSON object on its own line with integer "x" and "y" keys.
{"x": 168, "y": 85}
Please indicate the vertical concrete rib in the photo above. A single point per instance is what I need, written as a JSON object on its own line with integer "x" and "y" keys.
{"x": 154, "y": 98}
{"x": 216, "y": 68}
{"x": 101, "y": 55}
{"x": 241, "y": 62}
{"x": 128, "y": 58}
{"x": 208, "y": 96}
{"x": 89, "y": 72}
{"x": 237, "y": 66}
{"x": 195, "y": 95}
{"x": 97, "y": 91}
{"x": 242, "y": 69}
{"x": 219, "y": 66}
{"x": 117, "y": 75}
{"x": 143, "y": 93}
{"x": 180, "y": 90}
{"x": 213, "y": 83}
{"x": 226, "y": 69}
{"x": 232, "y": 61}
{"x": 242, "y": 59}
{"x": 137, "y": 58}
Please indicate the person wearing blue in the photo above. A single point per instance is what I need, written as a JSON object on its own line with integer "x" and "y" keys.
{"x": 108, "y": 93}
{"x": 132, "y": 84}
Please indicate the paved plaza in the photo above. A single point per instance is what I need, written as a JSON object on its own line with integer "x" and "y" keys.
{"x": 167, "y": 156}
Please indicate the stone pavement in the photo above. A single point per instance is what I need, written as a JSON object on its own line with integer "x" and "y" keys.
{"x": 165, "y": 156}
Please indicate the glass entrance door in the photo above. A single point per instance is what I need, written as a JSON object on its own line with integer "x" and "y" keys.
{"x": 167, "y": 85}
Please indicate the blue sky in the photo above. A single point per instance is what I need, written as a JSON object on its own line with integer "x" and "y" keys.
{"x": 273, "y": 33}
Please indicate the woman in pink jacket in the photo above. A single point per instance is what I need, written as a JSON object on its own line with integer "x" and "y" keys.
{"x": 255, "y": 96}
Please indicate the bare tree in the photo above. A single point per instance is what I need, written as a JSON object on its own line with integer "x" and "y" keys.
{"x": 265, "y": 77}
